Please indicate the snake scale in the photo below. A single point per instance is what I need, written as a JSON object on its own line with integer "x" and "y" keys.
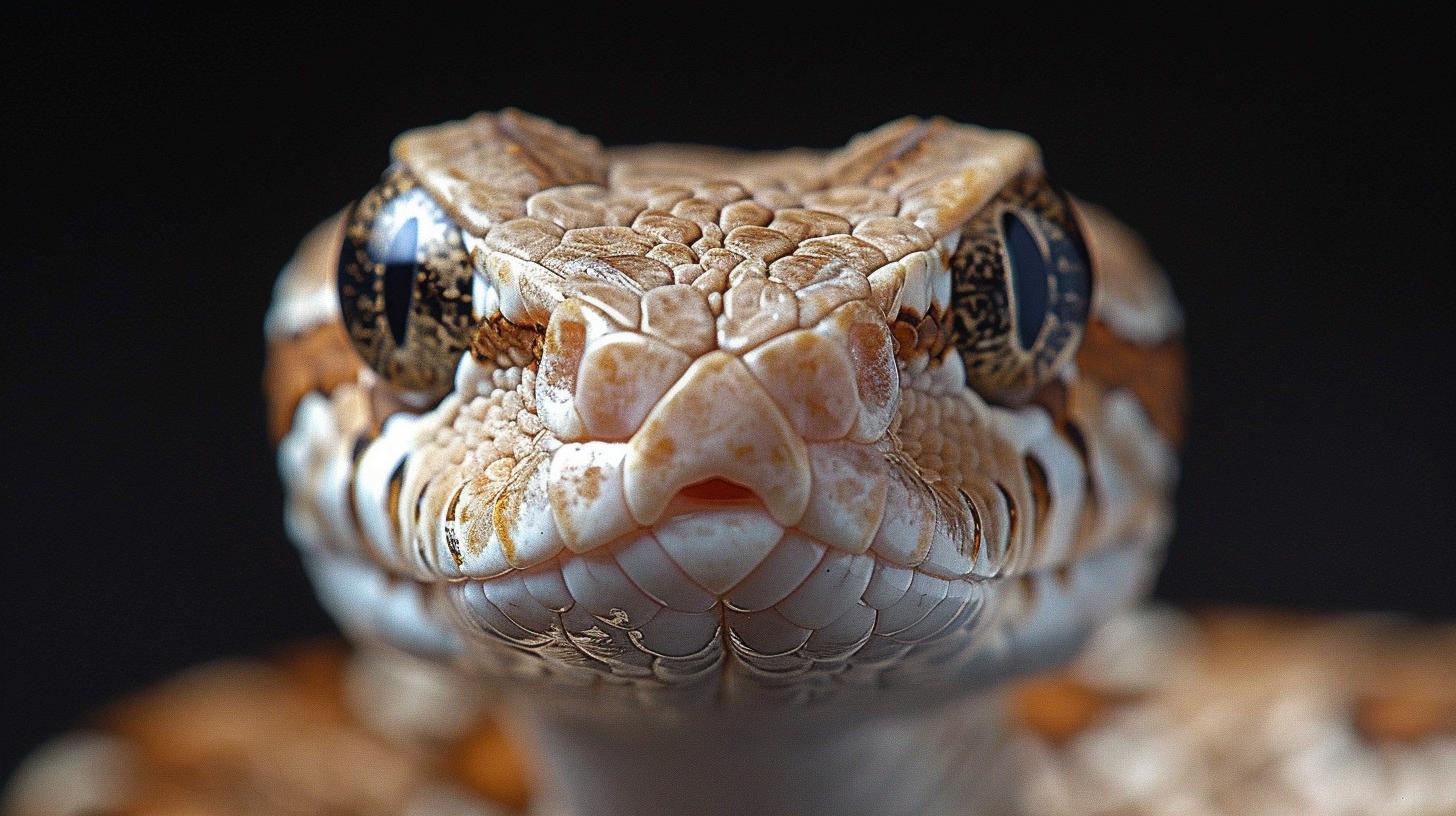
{"x": 741, "y": 479}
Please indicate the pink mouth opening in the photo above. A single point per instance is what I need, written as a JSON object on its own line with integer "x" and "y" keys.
{"x": 718, "y": 491}
{"x": 709, "y": 495}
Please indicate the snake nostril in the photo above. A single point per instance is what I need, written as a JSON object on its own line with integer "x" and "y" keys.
{"x": 718, "y": 490}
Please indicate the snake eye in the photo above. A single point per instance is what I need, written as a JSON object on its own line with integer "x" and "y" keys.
{"x": 1022, "y": 288}
{"x": 404, "y": 283}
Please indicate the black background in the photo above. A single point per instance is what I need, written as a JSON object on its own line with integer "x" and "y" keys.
{"x": 1294, "y": 176}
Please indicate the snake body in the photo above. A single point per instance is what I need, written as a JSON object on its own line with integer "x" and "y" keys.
{"x": 673, "y": 440}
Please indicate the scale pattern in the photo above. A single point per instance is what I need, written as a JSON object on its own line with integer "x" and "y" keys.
{"x": 795, "y": 306}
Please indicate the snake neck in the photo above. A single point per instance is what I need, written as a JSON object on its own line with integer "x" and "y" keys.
{"x": 931, "y": 761}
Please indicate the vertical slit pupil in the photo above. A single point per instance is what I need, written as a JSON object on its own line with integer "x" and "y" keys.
{"x": 399, "y": 278}
{"x": 1030, "y": 278}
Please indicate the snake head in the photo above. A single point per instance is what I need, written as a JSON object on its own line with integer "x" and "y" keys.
{"x": 682, "y": 419}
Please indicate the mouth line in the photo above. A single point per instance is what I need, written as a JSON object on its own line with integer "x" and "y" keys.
{"x": 716, "y": 559}
{"x": 690, "y": 507}
{"x": 575, "y": 501}
{"x": 919, "y": 527}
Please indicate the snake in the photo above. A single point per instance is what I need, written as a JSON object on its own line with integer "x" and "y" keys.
{"x": 687, "y": 480}
{"x": 743, "y": 478}
{"x": 724, "y": 466}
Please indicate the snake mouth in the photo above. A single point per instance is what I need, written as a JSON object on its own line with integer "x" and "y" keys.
{"x": 532, "y": 544}
{"x": 542, "y": 568}
{"x": 715, "y": 491}
{"x": 574, "y": 499}
{"x": 708, "y": 496}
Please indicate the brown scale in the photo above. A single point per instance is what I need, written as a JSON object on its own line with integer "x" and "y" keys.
{"x": 915, "y": 334}
{"x": 496, "y": 338}
{"x": 315, "y": 361}
{"x": 1155, "y": 374}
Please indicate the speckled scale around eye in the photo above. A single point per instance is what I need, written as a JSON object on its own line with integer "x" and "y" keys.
{"x": 1022, "y": 284}
{"x": 404, "y": 281}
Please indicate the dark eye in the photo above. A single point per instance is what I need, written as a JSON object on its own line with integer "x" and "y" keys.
{"x": 404, "y": 286}
{"x": 1022, "y": 289}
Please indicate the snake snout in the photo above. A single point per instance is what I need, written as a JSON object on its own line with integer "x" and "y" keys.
{"x": 717, "y": 423}
{"x": 700, "y": 405}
